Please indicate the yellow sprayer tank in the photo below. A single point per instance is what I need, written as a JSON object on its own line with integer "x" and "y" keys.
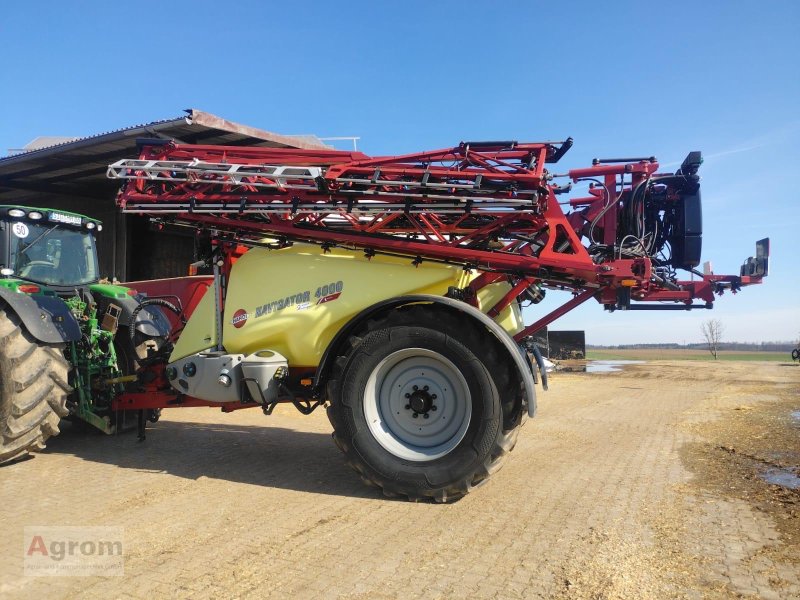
{"x": 294, "y": 300}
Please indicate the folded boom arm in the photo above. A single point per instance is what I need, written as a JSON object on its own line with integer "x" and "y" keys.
{"x": 490, "y": 206}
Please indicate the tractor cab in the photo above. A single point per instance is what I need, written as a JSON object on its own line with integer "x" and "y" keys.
{"x": 48, "y": 247}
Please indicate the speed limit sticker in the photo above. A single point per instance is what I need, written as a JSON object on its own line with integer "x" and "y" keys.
{"x": 20, "y": 230}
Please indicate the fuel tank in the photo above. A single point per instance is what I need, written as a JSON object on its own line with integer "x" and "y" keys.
{"x": 294, "y": 300}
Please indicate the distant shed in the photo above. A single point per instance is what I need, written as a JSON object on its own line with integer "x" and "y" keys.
{"x": 71, "y": 175}
{"x": 565, "y": 345}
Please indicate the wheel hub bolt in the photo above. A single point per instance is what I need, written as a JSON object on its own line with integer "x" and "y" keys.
{"x": 426, "y": 415}
{"x": 408, "y": 395}
{"x": 433, "y": 396}
{"x": 420, "y": 401}
{"x": 434, "y": 407}
{"x": 415, "y": 415}
{"x": 407, "y": 406}
{"x": 416, "y": 388}
{"x": 425, "y": 388}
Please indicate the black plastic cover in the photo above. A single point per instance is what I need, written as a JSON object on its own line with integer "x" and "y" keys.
{"x": 686, "y": 240}
{"x": 686, "y": 251}
{"x": 46, "y": 318}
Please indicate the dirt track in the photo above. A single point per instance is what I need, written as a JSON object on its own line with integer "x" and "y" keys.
{"x": 641, "y": 484}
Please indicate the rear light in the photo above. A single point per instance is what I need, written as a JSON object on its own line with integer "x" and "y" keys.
{"x": 15, "y": 212}
{"x": 132, "y": 292}
{"x": 35, "y": 215}
{"x": 194, "y": 268}
{"x": 99, "y": 227}
{"x": 90, "y": 225}
{"x": 27, "y": 288}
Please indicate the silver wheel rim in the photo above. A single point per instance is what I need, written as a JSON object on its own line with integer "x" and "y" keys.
{"x": 388, "y": 397}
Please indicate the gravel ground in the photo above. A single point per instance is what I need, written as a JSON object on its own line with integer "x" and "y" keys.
{"x": 646, "y": 483}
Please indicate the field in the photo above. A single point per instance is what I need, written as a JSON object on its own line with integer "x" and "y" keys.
{"x": 659, "y": 481}
{"x": 681, "y": 354}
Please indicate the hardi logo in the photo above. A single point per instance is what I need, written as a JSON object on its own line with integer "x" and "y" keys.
{"x": 240, "y": 318}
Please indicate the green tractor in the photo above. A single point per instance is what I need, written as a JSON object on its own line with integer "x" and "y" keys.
{"x": 68, "y": 343}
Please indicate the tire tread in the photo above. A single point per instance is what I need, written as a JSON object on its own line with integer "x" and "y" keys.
{"x": 33, "y": 389}
{"x": 467, "y": 334}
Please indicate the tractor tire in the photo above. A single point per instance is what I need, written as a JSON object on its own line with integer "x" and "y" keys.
{"x": 33, "y": 389}
{"x": 796, "y": 354}
{"x": 416, "y": 409}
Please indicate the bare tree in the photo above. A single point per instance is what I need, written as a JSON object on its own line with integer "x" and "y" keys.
{"x": 712, "y": 332}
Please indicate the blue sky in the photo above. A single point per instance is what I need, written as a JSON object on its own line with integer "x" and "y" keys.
{"x": 622, "y": 78}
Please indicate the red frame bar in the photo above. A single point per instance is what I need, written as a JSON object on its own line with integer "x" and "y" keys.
{"x": 559, "y": 312}
{"x": 168, "y": 399}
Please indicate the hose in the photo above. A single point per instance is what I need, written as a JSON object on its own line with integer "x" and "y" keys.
{"x": 142, "y": 305}
{"x": 537, "y": 354}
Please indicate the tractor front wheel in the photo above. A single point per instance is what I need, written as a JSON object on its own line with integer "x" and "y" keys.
{"x": 415, "y": 408}
{"x": 33, "y": 389}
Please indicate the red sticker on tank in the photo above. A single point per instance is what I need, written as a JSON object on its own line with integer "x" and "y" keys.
{"x": 329, "y": 298}
{"x": 239, "y": 318}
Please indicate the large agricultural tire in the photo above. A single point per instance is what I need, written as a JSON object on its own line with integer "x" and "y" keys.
{"x": 796, "y": 354}
{"x": 443, "y": 452}
{"x": 33, "y": 389}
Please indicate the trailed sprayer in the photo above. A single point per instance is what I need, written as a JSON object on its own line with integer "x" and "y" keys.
{"x": 390, "y": 289}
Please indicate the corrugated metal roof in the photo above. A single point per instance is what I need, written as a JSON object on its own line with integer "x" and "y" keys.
{"x": 43, "y": 141}
{"x": 78, "y": 167}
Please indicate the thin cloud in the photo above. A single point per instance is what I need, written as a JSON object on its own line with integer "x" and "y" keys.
{"x": 735, "y": 151}
{"x": 775, "y": 136}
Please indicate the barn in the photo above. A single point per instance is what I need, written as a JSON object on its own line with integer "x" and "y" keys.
{"x": 70, "y": 174}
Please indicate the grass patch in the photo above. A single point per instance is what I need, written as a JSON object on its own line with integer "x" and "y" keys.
{"x": 680, "y": 354}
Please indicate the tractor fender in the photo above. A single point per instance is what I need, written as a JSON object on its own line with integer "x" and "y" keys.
{"x": 47, "y": 318}
{"x": 515, "y": 353}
